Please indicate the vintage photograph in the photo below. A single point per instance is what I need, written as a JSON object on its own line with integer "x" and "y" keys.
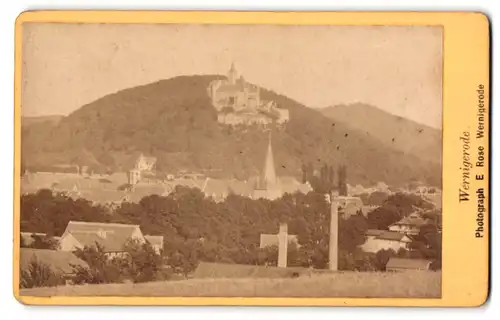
{"x": 213, "y": 160}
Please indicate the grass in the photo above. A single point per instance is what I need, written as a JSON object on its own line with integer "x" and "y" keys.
{"x": 232, "y": 270}
{"x": 410, "y": 284}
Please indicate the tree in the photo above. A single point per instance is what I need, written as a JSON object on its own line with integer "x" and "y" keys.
{"x": 383, "y": 256}
{"x": 142, "y": 262}
{"x": 383, "y": 217}
{"x": 352, "y": 232}
{"x": 44, "y": 242}
{"x": 22, "y": 242}
{"x": 23, "y": 168}
{"x": 39, "y": 274}
{"x": 268, "y": 256}
{"x": 100, "y": 270}
{"x": 49, "y": 212}
{"x": 377, "y": 198}
{"x": 305, "y": 177}
{"x": 428, "y": 245}
{"x": 331, "y": 176}
{"x": 342, "y": 180}
{"x": 406, "y": 203}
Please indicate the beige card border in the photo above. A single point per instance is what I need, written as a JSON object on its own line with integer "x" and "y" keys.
{"x": 465, "y": 275}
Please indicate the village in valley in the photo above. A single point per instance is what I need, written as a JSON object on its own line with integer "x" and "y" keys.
{"x": 182, "y": 224}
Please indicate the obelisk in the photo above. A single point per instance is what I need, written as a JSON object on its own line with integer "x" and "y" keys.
{"x": 334, "y": 234}
{"x": 282, "y": 245}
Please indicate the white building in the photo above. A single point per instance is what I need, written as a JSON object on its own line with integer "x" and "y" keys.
{"x": 377, "y": 240}
{"x": 409, "y": 225}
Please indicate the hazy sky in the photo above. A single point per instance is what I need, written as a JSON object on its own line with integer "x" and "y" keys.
{"x": 397, "y": 69}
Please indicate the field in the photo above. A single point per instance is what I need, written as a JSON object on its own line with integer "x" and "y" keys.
{"x": 410, "y": 284}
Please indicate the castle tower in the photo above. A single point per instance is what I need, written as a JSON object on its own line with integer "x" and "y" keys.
{"x": 232, "y": 75}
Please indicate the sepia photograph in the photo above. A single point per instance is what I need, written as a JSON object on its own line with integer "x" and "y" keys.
{"x": 231, "y": 160}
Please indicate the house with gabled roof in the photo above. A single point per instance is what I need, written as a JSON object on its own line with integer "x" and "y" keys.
{"x": 410, "y": 224}
{"x": 404, "y": 264}
{"x": 377, "y": 240}
{"x": 112, "y": 237}
{"x": 156, "y": 242}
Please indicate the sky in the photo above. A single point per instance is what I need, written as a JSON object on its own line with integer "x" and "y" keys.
{"x": 395, "y": 68}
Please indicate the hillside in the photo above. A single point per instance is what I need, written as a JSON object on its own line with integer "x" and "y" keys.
{"x": 393, "y": 131}
{"x": 174, "y": 121}
{"x": 28, "y": 121}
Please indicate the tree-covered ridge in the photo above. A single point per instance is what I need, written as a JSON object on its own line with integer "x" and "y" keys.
{"x": 174, "y": 121}
{"x": 196, "y": 228}
{"x": 393, "y": 131}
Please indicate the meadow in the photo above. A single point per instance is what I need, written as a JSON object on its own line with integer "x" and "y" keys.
{"x": 409, "y": 284}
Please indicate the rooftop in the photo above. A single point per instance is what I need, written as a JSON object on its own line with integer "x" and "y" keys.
{"x": 413, "y": 219}
{"x": 154, "y": 240}
{"x": 112, "y": 236}
{"x": 59, "y": 261}
{"x": 386, "y": 235}
{"x": 410, "y": 264}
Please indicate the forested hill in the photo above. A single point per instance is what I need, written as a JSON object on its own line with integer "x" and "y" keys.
{"x": 28, "y": 121}
{"x": 393, "y": 131}
{"x": 174, "y": 121}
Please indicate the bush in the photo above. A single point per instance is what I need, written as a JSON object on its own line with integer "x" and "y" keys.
{"x": 140, "y": 263}
{"x": 39, "y": 274}
{"x": 100, "y": 270}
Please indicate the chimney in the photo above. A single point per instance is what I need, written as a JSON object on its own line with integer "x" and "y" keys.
{"x": 102, "y": 233}
{"x": 334, "y": 230}
{"x": 282, "y": 245}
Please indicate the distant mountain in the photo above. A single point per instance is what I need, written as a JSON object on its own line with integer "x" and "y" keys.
{"x": 174, "y": 121}
{"x": 395, "y": 132}
{"x": 53, "y": 119}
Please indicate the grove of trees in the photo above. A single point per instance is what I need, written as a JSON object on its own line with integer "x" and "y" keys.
{"x": 324, "y": 181}
{"x": 196, "y": 228}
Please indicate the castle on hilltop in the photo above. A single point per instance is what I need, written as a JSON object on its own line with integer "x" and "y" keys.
{"x": 239, "y": 102}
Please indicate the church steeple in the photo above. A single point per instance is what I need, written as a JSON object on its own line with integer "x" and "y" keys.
{"x": 269, "y": 173}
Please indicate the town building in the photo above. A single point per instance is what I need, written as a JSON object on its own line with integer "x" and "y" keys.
{"x": 349, "y": 206}
{"x": 112, "y": 237}
{"x": 156, "y": 242}
{"x": 144, "y": 167}
{"x": 377, "y": 240}
{"x": 404, "y": 264}
{"x": 410, "y": 224}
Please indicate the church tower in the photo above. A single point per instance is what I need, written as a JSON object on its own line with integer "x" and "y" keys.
{"x": 268, "y": 186}
{"x": 269, "y": 172}
{"x": 232, "y": 75}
